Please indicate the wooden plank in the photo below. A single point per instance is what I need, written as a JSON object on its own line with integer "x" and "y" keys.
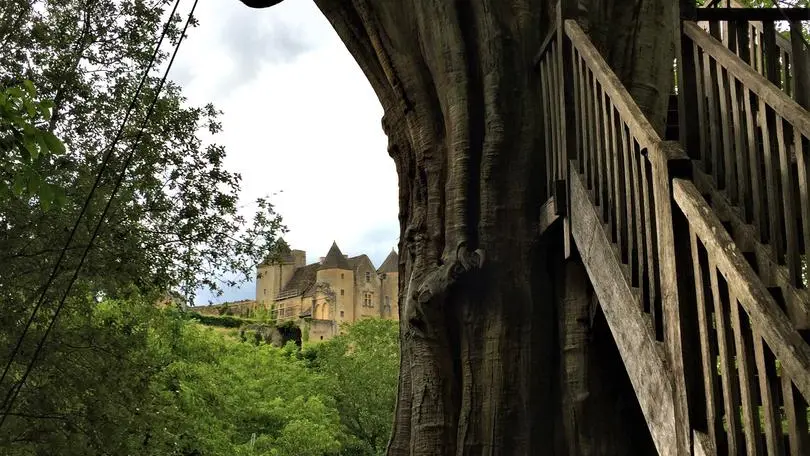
{"x": 703, "y": 123}
{"x": 580, "y": 145}
{"x": 711, "y": 162}
{"x": 803, "y": 165}
{"x": 626, "y": 188}
{"x": 766, "y": 316}
{"x": 740, "y": 154}
{"x": 796, "y": 414}
{"x": 769, "y": 393}
{"x": 748, "y": 400}
{"x": 638, "y": 265}
{"x": 545, "y": 114}
{"x": 727, "y": 175}
{"x": 731, "y": 396}
{"x": 774, "y": 195}
{"x": 784, "y": 106}
{"x": 758, "y": 201}
{"x": 628, "y": 109}
{"x": 771, "y": 53}
{"x": 601, "y": 185}
{"x": 792, "y": 257}
{"x": 646, "y": 368}
{"x": 621, "y": 219}
{"x": 650, "y": 248}
{"x": 609, "y": 178}
{"x": 708, "y": 356}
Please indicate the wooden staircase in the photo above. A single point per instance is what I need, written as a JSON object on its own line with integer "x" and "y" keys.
{"x": 695, "y": 248}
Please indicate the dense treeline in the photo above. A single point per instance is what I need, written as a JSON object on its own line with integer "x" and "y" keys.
{"x": 132, "y": 379}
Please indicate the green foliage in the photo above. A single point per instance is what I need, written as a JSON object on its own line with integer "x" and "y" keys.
{"x": 361, "y": 367}
{"x": 26, "y": 144}
{"x": 176, "y": 223}
{"x": 131, "y": 379}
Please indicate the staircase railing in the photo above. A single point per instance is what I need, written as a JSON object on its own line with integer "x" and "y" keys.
{"x": 760, "y": 44}
{"x": 753, "y": 146}
{"x": 616, "y": 156}
{"x": 755, "y": 365}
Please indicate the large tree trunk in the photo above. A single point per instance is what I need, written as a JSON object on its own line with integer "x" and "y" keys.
{"x": 481, "y": 351}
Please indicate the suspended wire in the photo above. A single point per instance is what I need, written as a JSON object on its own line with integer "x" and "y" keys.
{"x": 7, "y": 405}
{"x": 104, "y": 163}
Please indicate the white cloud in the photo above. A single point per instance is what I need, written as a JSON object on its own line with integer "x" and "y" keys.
{"x": 299, "y": 118}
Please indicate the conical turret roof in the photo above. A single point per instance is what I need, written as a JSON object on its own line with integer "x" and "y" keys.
{"x": 335, "y": 259}
{"x": 391, "y": 263}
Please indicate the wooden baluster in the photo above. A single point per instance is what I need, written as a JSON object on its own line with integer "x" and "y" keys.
{"x": 546, "y": 119}
{"x": 637, "y": 263}
{"x": 621, "y": 220}
{"x": 598, "y": 194}
{"x": 792, "y": 257}
{"x": 590, "y": 83}
{"x": 711, "y": 162}
{"x": 796, "y": 414}
{"x": 740, "y": 156}
{"x": 708, "y": 346}
{"x": 703, "y": 124}
{"x": 766, "y": 122}
{"x": 745, "y": 368}
{"x": 650, "y": 275}
{"x": 586, "y": 145}
{"x": 577, "y": 114}
{"x": 558, "y": 112}
{"x": 731, "y": 392}
{"x": 754, "y": 157}
{"x": 609, "y": 177}
{"x": 803, "y": 165}
{"x": 627, "y": 185}
{"x": 771, "y": 53}
{"x": 727, "y": 174}
{"x": 769, "y": 392}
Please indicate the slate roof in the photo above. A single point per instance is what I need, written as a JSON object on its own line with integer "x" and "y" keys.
{"x": 302, "y": 279}
{"x": 283, "y": 255}
{"x": 335, "y": 259}
{"x": 355, "y": 262}
{"x": 391, "y": 263}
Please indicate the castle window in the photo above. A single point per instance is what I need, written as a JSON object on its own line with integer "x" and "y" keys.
{"x": 342, "y": 292}
{"x": 265, "y": 291}
{"x": 368, "y": 299}
{"x": 341, "y": 314}
{"x": 368, "y": 276}
{"x": 321, "y": 337}
{"x": 341, "y": 275}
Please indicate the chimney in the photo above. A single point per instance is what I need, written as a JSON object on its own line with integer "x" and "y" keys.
{"x": 320, "y": 260}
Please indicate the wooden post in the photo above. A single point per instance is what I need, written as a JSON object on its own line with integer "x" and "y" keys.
{"x": 687, "y": 86}
{"x": 566, "y": 9}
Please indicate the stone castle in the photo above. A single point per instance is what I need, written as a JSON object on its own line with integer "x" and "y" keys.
{"x": 320, "y": 296}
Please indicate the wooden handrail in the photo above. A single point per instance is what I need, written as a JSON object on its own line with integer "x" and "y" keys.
{"x": 642, "y": 129}
{"x": 766, "y": 316}
{"x": 780, "y": 102}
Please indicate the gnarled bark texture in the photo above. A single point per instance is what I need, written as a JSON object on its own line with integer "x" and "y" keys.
{"x": 482, "y": 370}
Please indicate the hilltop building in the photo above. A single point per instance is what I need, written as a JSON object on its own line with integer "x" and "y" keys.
{"x": 337, "y": 289}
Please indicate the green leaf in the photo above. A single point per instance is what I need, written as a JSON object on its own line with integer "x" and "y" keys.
{"x": 46, "y": 196}
{"x": 54, "y": 144}
{"x": 19, "y": 184}
{"x": 31, "y": 147}
{"x": 29, "y": 87}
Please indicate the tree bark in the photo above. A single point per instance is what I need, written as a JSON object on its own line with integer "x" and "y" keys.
{"x": 482, "y": 370}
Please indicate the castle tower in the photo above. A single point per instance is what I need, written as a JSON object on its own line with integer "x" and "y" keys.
{"x": 273, "y": 274}
{"x": 335, "y": 271}
{"x": 389, "y": 286}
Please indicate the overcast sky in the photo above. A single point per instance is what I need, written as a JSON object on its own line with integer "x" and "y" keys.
{"x": 301, "y": 124}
